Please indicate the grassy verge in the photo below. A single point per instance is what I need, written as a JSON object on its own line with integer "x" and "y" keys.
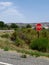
{"x": 33, "y": 53}
{"x": 9, "y": 45}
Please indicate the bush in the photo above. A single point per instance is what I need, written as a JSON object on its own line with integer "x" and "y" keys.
{"x": 19, "y": 42}
{"x": 13, "y": 36}
{"x": 40, "y": 44}
{"x": 44, "y": 33}
{"x": 6, "y": 49}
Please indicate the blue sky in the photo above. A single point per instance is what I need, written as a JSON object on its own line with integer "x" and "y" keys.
{"x": 24, "y": 11}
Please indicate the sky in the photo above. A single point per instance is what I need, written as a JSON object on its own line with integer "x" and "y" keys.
{"x": 24, "y": 11}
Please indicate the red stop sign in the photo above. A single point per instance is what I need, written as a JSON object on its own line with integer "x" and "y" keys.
{"x": 38, "y": 27}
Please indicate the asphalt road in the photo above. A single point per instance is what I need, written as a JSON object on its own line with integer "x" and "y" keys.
{"x": 13, "y": 58}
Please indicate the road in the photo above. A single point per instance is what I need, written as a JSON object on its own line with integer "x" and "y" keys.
{"x": 13, "y": 58}
{"x": 6, "y": 30}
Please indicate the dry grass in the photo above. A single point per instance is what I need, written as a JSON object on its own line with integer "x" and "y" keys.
{"x": 6, "y": 43}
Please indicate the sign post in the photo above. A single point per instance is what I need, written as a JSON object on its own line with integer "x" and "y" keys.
{"x": 38, "y": 28}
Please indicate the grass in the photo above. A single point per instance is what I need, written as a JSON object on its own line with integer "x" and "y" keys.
{"x": 9, "y": 45}
{"x": 33, "y": 53}
{"x": 6, "y": 44}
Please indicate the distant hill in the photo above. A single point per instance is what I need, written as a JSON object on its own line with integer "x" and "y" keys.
{"x": 32, "y": 24}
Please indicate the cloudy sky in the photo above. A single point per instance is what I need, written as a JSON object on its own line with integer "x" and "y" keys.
{"x": 24, "y": 11}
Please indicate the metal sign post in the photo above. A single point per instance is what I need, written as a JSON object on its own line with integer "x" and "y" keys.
{"x": 38, "y": 28}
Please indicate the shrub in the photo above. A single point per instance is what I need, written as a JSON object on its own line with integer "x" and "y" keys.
{"x": 40, "y": 44}
{"x": 13, "y": 36}
{"x": 19, "y": 42}
{"x": 6, "y": 49}
{"x": 44, "y": 33}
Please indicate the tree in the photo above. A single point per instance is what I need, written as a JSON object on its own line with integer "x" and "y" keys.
{"x": 13, "y": 25}
{"x": 1, "y": 24}
{"x": 28, "y": 26}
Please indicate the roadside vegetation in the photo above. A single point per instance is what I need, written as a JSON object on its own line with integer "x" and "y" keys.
{"x": 25, "y": 40}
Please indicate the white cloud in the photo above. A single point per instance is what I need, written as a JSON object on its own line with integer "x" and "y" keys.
{"x": 9, "y": 13}
{"x": 6, "y": 3}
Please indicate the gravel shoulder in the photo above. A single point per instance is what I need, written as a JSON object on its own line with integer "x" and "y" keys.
{"x": 14, "y": 58}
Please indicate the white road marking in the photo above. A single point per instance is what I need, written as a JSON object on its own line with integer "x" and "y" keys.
{"x": 5, "y": 63}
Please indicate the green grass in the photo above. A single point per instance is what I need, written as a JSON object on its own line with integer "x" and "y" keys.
{"x": 33, "y": 53}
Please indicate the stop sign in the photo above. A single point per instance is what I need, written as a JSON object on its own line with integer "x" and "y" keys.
{"x": 38, "y": 27}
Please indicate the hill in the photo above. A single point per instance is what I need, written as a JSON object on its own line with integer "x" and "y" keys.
{"x": 32, "y": 24}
